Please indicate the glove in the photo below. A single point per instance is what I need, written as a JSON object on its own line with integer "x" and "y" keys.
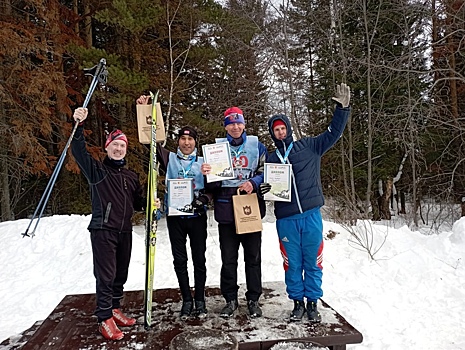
{"x": 264, "y": 188}
{"x": 342, "y": 95}
{"x": 199, "y": 202}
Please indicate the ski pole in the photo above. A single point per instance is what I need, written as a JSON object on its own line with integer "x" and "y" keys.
{"x": 99, "y": 74}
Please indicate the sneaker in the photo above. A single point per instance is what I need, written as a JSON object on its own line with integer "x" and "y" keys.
{"x": 299, "y": 310}
{"x": 121, "y": 319}
{"x": 110, "y": 330}
{"x": 229, "y": 308}
{"x": 186, "y": 309}
{"x": 200, "y": 311}
{"x": 312, "y": 312}
{"x": 254, "y": 308}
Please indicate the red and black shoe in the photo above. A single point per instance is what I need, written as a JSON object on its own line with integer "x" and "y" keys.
{"x": 121, "y": 319}
{"x": 110, "y": 330}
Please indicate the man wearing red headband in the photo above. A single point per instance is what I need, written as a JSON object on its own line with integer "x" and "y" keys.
{"x": 249, "y": 156}
{"x": 115, "y": 193}
{"x": 299, "y": 223}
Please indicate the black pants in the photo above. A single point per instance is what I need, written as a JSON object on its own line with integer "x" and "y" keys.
{"x": 178, "y": 230}
{"x": 229, "y": 245}
{"x": 111, "y": 254}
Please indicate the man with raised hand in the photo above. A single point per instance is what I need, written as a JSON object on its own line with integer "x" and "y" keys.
{"x": 185, "y": 164}
{"x": 115, "y": 194}
{"x": 299, "y": 223}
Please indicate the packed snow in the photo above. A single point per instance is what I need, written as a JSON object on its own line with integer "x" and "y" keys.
{"x": 411, "y": 295}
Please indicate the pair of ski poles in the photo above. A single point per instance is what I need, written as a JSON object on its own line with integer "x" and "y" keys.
{"x": 99, "y": 74}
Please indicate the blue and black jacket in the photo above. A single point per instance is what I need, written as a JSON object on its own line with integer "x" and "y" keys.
{"x": 305, "y": 157}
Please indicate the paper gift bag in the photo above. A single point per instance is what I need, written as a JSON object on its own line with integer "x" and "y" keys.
{"x": 247, "y": 213}
{"x": 144, "y": 123}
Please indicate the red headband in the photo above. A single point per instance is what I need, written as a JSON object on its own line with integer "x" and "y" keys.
{"x": 278, "y": 122}
{"x": 116, "y": 135}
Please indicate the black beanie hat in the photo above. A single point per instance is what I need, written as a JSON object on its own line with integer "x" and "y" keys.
{"x": 187, "y": 130}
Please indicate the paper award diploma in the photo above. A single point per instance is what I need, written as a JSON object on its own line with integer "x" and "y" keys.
{"x": 219, "y": 157}
{"x": 180, "y": 197}
{"x": 279, "y": 177}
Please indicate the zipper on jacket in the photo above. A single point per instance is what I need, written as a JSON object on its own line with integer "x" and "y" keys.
{"x": 125, "y": 190}
{"x": 294, "y": 184}
{"x": 107, "y": 213}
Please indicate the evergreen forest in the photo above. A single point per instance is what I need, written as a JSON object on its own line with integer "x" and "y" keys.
{"x": 403, "y": 150}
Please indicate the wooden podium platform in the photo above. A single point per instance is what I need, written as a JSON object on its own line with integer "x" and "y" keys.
{"x": 72, "y": 324}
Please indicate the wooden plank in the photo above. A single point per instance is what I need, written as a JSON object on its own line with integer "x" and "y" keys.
{"x": 72, "y": 324}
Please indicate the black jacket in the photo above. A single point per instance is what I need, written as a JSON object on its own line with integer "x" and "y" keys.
{"x": 115, "y": 191}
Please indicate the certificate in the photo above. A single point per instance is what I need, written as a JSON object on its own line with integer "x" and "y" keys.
{"x": 218, "y": 155}
{"x": 279, "y": 177}
{"x": 180, "y": 197}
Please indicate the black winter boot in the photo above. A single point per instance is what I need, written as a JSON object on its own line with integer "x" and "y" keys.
{"x": 186, "y": 309}
{"x": 254, "y": 309}
{"x": 312, "y": 312}
{"x": 200, "y": 310}
{"x": 298, "y": 312}
{"x": 229, "y": 308}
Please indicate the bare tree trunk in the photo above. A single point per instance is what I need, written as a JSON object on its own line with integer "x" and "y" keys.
{"x": 5, "y": 190}
{"x": 6, "y": 7}
{"x": 4, "y": 187}
{"x": 76, "y": 12}
{"x": 87, "y": 25}
{"x": 369, "y": 113}
{"x": 353, "y": 195}
{"x": 463, "y": 206}
{"x": 295, "y": 125}
{"x": 452, "y": 65}
{"x": 384, "y": 201}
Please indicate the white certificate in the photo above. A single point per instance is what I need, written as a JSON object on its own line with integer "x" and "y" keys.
{"x": 180, "y": 197}
{"x": 218, "y": 155}
{"x": 279, "y": 177}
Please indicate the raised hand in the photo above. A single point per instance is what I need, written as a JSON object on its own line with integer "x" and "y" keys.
{"x": 80, "y": 114}
{"x": 143, "y": 100}
{"x": 342, "y": 95}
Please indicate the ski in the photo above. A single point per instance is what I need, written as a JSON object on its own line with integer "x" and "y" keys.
{"x": 150, "y": 218}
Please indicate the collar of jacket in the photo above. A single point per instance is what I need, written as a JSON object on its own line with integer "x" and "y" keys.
{"x": 112, "y": 163}
{"x": 237, "y": 142}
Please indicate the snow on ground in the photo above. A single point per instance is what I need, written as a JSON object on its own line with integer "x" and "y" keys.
{"x": 412, "y": 295}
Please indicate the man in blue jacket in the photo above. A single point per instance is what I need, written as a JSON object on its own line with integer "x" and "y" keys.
{"x": 299, "y": 223}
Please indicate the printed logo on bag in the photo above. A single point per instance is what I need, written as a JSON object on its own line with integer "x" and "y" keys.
{"x": 148, "y": 119}
{"x": 247, "y": 210}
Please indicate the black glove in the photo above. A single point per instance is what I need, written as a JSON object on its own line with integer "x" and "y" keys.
{"x": 264, "y": 188}
{"x": 199, "y": 202}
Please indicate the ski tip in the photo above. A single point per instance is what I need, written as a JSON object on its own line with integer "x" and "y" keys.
{"x": 154, "y": 96}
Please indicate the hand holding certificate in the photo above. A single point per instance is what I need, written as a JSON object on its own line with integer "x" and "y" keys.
{"x": 218, "y": 156}
{"x": 279, "y": 177}
{"x": 180, "y": 194}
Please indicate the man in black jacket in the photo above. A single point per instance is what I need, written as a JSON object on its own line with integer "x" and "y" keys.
{"x": 115, "y": 192}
